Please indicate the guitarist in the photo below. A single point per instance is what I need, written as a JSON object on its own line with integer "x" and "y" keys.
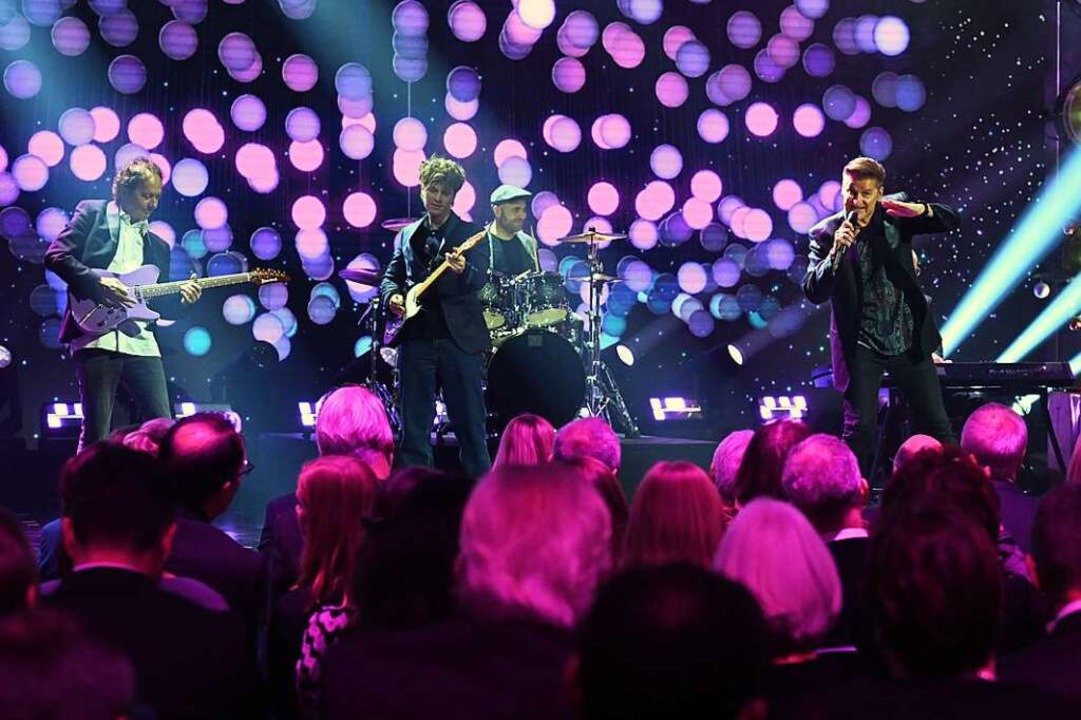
{"x": 445, "y": 343}
{"x": 115, "y": 236}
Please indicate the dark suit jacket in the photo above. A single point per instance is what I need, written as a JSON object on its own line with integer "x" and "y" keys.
{"x": 852, "y": 628}
{"x": 1018, "y": 511}
{"x": 457, "y": 294}
{"x": 189, "y": 662}
{"x": 822, "y": 284}
{"x": 281, "y": 544}
{"x": 1052, "y": 664}
{"x": 462, "y": 669}
{"x": 87, "y": 244}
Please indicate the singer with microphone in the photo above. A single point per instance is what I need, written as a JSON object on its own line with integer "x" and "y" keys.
{"x": 861, "y": 262}
{"x": 115, "y": 236}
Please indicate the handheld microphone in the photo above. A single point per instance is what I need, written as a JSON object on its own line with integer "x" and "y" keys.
{"x": 836, "y": 253}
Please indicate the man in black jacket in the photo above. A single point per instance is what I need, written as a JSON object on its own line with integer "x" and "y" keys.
{"x": 115, "y": 236}
{"x": 861, "y": 261}
{"x": 445, "y": 342}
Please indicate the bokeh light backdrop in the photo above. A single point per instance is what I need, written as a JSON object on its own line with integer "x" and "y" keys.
{"x": 291, "y": 130}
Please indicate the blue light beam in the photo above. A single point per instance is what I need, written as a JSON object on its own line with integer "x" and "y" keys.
{"x": 1054, "y": 316}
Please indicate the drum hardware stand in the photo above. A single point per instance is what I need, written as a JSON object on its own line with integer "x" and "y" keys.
{"x": 377, "y": 388}
{"x": 603, "y": 398}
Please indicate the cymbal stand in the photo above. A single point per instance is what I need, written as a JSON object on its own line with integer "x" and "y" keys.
{"x": 374, "y": 384}
{"x": 603, "y": 398}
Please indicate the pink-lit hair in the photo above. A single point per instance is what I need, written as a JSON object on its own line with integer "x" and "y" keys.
{"x": 822, "y": 478}
{"x": 534, "y": 545}
{"x": 351, "y": 418}
{"x": 998, "y": 438}
{"x": 911, "y": 447}
{"x": 597, "y": 474}
{"x": 773, "y": 550}
{"x": 726, "y": 461}
{"x": 528, "y": 440}
{"x": 334, "y": 494}
{"x": 676, "y": 516}
{"x": 589, "y": 437}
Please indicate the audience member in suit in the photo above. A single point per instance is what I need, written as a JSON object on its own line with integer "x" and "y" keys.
{"x": 50, "y": 670}
{"x": 119, "y": 528}
{"x": 206, "y": 459}
{"x": 601, "y": 477}
{"x": 527, "y": 440}
{"x": 676, "y": 517}
{"x": 351, "y": 421}
{"x": 822, "y": 479}
{"x": 954, "y": 478}
{"x": 725, "y": 466}
{"x": 1054, "y": 663}
{"x": 998, "y": 438}
{"x": 670, "y": 641}
{"x": 334, "y": 494}
{"x": 763, "y": 462}
{"x": 589, "y": 437}
{"x": 534, "y": 544}
{"x": 18, "y": 575}
{"x": 775, "y": 552}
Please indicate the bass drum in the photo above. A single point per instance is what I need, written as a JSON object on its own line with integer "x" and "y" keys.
{"x": 537, "y": 372}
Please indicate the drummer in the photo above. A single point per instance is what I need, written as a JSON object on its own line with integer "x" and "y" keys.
{"x": 513, "y": 252}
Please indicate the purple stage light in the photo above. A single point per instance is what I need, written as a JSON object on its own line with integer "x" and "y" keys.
{"x": 783, "y": 50}
{"x": 666, "y": 161}
{"x": 359, "y": 292}
{"x": 410, "y": 47}
{"x": 786, "y": 193}
{"x": 119, "y": 29}
{"x": 460, "y": 110}
{"x": 644, "y": 12}
{"x": 761, "y": 119}
{"x": 48, "y": 146}
{"x": 410, "y": 134}
{"x": 297, "y": 9}
{"x": 861, "y": 115}
{"x": 14, "y": 34}
{"x": 766, "y": 69}
{"x": 3, "y": 159}
{"x": 734, "y": 83}
{"x": 801, "y": 217}
{"x": 700, "y": 323}
{"x": 106, "y": 124}
{"x": 14, "y": 223}
{"x": 47, "y": 302}
{"x": 249, "y": 73}
{"x": 302, "y": 124}
{"x": 356, "y": 142}
{"x": 463, "y": 83}
{"x": 300, "y": 73}
{"x": 165, "y": 231}
{"x": 190, "y": 177}
{"x": 409, "y": 69}
{"x": 460, "y": 140}
{"x": 76, "y": 126}
{"x": 273, "y": 296}
{"x": 9, "y": 191}
{"x": 818, "y": 60}
{"x": 780, "y": 253}
{"x": 865, "y": 33}
{"x": 218, "y": 239}
{"x": 755, "y": 263}
{"x": 671, "y": 89}
{"x": 844, "y": 36}
{"x": 194, "y": 12}
{"x": 757, "y": 225}
{"x": 674, "y": 37}
{"x": 50, "y": 222}
{"x": 749, "y": 297}
{"x": 563, "y": 134}
{"x": 254, "y": 160}
{"x": 467, "y": 21}
{"x": 713, "y": 126}
{"x": 406, "y": 166}
{"x": 603, "y": 198}
{"x": 410, "y": 18}
{"x": 542, "y": 201}
{"x": 581, "y": 30}
{"x": 884, "y": 89}
{"x": 537, "y": 14}
{"x": 515, "y": 171}
{"x": 635, "y": 273}
{"x": 238, "y": 309}
{"x": 644, "y": 236}
{"x": 692, "y": 58}
{"x": 42, "y": 13}
{"x": 876, "y": 143}
{"x": 127, "y": 74}
{"x": 813, "y": 9}
{"x": 355, "y": 109}
{"x": 226, "y": 263}
{"x": 308, "y": 213}
{"x": 723, "y": 306}
{"x": 248, "y": 113}
{"x": 706, "y": 185}
{"x": 164, "y": 165}
{"x": 236, "y": 51}
{"x": 623, "y": 45}
{"x": 312, "y": 244}
{"x": 568, "y": 75}
{"x": 727, "y": 207}
{"x": 464, "y": 200}
{"x": 839, "y": 103}
{"x": 808, "y": 121}
{"x": 674, "y": 230}
{"x": 266, "y": 243}
{"x": 615, "y": 131}
{"x": 726, "y": 272}
{"x": 744, "y": 29}
{"x": 891, "y": 36}
{"x": 70, "y": 36}
{"x": 210, "y": 212}
{"x": 353, "y": 82}
{"x": 795, "y": 24}
{"x": 87, "y": 162}
{"x": 22, "y": 79}
{"x": 911, "y": 94}
{"x": 654, "y": 200}
{"x": 178, "y": 40}
{"x": 829, "y": 195}
{"x": 698, "y": 213}
{"x": 30, "y": 173}
{"x": 327, "y": 290}
{"x": 713, "y": 237}
{"x": 267, "y": 328}
{"x": 514, "y": 28}
{"x": 556, "y": 222}
{"x": 145, "y": 130}
{"x": 202, "y": 130}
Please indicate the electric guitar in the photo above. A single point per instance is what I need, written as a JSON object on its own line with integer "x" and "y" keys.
{"x": 413, "y": 295}
{"x": 96, "y": 318}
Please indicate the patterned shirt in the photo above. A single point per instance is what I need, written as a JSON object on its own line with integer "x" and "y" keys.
{"x": 886, "y": 324}
{"x": 325, "y": 626}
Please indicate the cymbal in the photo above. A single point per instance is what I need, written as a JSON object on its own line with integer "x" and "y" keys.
{"x": 364, "y": 276}
{"x": 596, "y": 277}
{"x": 591, "y": 237}
{"x": 396, "y": 224}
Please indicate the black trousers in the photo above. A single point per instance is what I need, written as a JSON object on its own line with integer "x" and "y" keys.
{"x": 421, "y": 365}
{"x": 100, "y": 372}
{"x": 917, "y": 381}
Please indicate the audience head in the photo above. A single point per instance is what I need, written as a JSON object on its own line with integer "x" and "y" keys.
{"x": 934, "y": 590}
{"x": 1056, "y": 544}
{"x": 676, "y": 517}
{"x": 534, "y": 545}
{"x": 18, "y": 569}
{"x": 333, "y": 497}
{"x": 726, "y": 461}
{"x": 589, "y": 437}
{"x": 205, "y": 457}
{"x": 352, "y": 418}
{"x": 148, "y": 436}
{"x": 912, "y": 447}
{"x": 822, "y": 478}
{"x": 405, "y": 569}
{"x": 773, "y": 550}
{"x": 117, "y": 507}
{"x": 673, "y": 641}
{"x": 760, "y": 472}
{"x": 49, "y": 670}
{"x": 997, "y": 437}
{"x": 601, "y": 477}
{"x": 527, "y": 440}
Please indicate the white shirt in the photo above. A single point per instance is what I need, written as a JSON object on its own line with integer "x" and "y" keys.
{"x": 129, "y": 256}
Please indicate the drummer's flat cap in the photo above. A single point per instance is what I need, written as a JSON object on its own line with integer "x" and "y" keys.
{"x": 506, "y": 193}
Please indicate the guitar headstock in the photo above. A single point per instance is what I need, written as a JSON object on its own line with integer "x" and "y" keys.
{"x": 263, "y": 276}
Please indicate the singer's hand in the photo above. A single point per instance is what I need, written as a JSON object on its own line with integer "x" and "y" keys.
{"x": 190, "y": 291}
{"x": 896, "y": 208}
{"x": 843, "y": 238}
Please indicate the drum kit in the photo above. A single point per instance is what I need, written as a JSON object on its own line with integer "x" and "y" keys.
{"x": 545, "y": 358}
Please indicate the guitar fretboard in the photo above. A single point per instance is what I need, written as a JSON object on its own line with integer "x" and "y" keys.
{"x": 170, "y": 288}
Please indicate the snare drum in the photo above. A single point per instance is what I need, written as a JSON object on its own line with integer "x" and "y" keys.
{"x": 497, "y": 299}
{"x": 541, "y": 299}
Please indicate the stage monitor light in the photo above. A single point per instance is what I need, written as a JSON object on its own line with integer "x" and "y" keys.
{"x": 675, "y": 408}
{"x": 309, "y": 411}
{"x": 61, "y": 419}
{"x": 187, "y": 409}
{"x": 625, "y": 355}
{"x": 736, "y": 354}
{"x": 782, "y": 407}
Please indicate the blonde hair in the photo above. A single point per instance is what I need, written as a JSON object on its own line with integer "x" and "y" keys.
{"x": 527, "y": 440}
{"x": 351, "y": 419}
{"x": 438, "y": 170}
{"x": 865, "y": 168}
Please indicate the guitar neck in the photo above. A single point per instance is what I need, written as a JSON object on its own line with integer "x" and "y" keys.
{"x": 171, "y": 288}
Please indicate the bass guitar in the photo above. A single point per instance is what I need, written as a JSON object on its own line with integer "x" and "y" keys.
{"x": 95, "y": 318}
{"x": 414, "y": 294}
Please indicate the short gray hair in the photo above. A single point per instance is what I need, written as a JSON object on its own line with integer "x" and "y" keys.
{"x": 726, "y": 461}
{"x": 822, "y": 478}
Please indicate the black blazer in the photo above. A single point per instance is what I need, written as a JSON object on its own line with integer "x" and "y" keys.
{"x": 88, "y": 243}
{"x": 281, "y": 544}
{"x": 189, "y": 662}
{"x": 1018, "y": 512}
{"x": 822, "y": 284}
{"x": 1052, "y": 664}
{"x": 457, "y": 294}
{"x": 852, "y": 627}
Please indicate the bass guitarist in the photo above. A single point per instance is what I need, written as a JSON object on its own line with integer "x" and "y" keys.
{"x": 443, "y": 345}
{"x": 115, "y": 236}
